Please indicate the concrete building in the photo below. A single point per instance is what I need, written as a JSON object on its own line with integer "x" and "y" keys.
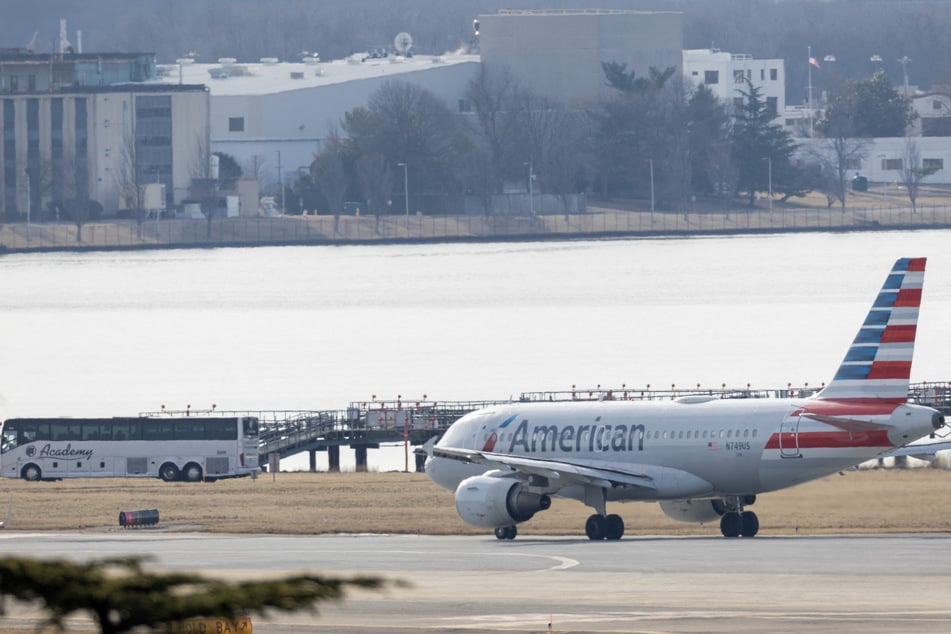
{"x": 934, "y": 114}
{"x": 74, "y": 127}
{"x": 558, "y": 54}
{"x": 272, "y": 116}
{"x": 726, "y": 74}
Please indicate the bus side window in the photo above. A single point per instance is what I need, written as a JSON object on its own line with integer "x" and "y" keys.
{"x": 66, "y": 430}
{"x": 90, "y": 431}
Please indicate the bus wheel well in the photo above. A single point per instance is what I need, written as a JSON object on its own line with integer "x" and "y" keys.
{"x": 31, "y": 473}
{"x": 193, "y": 472}
{"x": 169, "y": 472}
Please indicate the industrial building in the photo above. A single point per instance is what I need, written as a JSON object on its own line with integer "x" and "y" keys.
{"x": 272, "y": 116}
{"x": 558, "y": 54}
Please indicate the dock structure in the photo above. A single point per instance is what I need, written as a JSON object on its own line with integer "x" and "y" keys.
{"x": 368, "y": 425}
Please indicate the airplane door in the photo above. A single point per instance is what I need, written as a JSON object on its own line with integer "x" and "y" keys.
{"x": 789, "y": 438}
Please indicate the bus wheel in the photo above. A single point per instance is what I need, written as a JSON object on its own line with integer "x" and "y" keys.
{"x": 32, "y": 473}
{"x": 192, "y": 472}
{"x": 168, "y": 472}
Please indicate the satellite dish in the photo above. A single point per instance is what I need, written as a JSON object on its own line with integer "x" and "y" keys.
{"x": 402, "y": 43}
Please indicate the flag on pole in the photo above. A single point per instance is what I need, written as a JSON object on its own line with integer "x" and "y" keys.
{"x": 813, "y": 62}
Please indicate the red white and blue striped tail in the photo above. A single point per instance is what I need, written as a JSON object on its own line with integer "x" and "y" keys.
{"x": 877, "y": 366}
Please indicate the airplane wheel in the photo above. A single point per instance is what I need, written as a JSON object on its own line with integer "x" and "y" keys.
{"x": 731, "y": 524}
{"x": 596, "y": 527}
{"x": 506, "y": 532}
{"x": 749, "y": 524}
{"x": 615, "y": 527}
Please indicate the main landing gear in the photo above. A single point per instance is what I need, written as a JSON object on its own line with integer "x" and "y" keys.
{"x": 506, "y": 532}
{"x": 736, "y": 522}
{"x": 604, "y": 527}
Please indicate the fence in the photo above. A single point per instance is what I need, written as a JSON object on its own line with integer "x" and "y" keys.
{"x": 358, "y": 229}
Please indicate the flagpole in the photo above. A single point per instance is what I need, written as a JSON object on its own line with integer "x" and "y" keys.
{"x": 809, "y": 69}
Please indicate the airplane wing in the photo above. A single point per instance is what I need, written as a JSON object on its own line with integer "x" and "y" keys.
{"x": 566, "y": 472}
{"x": 923, "y": 451}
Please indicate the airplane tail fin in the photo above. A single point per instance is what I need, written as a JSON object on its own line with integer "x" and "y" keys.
{"x": 877, "y": 366}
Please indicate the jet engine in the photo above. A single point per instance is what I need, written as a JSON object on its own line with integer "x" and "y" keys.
{"x": 693, "y": 511}
{"x": 494, "y": 502}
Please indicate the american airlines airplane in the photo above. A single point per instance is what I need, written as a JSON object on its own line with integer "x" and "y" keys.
{"x": 703, "y": 458}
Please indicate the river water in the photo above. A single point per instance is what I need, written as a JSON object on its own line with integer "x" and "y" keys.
{"x": 116, "y": 333}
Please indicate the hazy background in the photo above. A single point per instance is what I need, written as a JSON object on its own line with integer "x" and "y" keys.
{"x": 851, "y": 30}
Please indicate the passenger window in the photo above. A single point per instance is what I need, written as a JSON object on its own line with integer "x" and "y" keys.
{"x": 754, "y": 432}
{"x": 729, "y": 433}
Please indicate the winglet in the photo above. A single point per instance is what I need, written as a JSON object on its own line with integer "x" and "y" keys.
{"x": 877, "y": 366}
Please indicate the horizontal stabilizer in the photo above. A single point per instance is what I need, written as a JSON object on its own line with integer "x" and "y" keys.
{"x": 846, "y": 424}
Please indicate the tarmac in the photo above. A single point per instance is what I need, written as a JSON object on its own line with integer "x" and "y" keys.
{"x": 795, "y": 583}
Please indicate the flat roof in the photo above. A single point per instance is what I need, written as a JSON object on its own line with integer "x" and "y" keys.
{"x": 270, "y": 77}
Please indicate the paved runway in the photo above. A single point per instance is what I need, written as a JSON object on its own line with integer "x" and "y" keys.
{"x": 858, "y": 583}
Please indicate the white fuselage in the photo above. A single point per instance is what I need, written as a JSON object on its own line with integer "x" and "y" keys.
{"x": 694, "y": 447}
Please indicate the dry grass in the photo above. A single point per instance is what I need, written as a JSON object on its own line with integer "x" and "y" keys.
{"x": 312, "y": 503}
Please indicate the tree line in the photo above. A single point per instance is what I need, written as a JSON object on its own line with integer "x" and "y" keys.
{"x": 654, "y": 138}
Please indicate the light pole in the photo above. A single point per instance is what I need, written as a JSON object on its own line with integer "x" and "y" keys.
{"x": 531, "y": 189}
{"x": 769, "y": 167}
{"x": 29, "y": 206}
{"x": 651, "y": 163}
{"x": 280, "y": 174}
{"x": 904, "y": 69}
{"x": 884, "y": 179}
{"x": 405, "y": 186}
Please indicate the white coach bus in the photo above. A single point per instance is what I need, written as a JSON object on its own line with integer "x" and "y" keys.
{"x": 190, "y": 448}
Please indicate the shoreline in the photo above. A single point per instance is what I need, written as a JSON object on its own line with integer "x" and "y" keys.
{"x": 597, "y": 224}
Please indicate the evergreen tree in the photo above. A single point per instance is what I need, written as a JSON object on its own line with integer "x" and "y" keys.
{"x": 762, "y": 149}
{"x": 120, "y": 595}
{"x": 867, "y": 108}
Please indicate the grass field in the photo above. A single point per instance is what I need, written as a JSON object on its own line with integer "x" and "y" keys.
{"x": 884, "y": 500}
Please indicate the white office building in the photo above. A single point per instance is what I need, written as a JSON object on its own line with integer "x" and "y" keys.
{"x": 726, "y": 74}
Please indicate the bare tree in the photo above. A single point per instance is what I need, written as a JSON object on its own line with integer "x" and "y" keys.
{"x": 129, "y": 180}
{"x": 376, "y": 178}
{"x": 913, "y": 171}
{"x": 204, "y": 185}
{"x": 330, "y": 173}
{"x": 836, "y": 155}
{"x": 495, "y": 99}
{"x": 75, "y": 191}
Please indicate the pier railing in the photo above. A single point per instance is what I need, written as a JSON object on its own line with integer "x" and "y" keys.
{"x": 370, "y": 423}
